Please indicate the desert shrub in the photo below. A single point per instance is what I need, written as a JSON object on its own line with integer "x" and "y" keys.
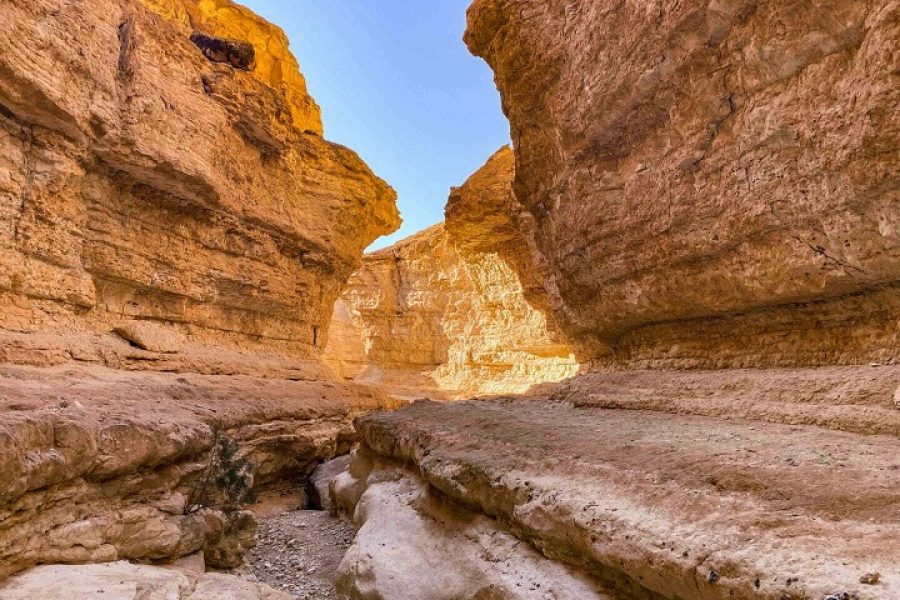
{"x": 226, "y": 481}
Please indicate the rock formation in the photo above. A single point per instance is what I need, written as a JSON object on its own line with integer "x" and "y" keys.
{"x": 706, "y": 197}
{"x": 445, "y": 312}
{"x": 709, "y": 183}
{"x": 702, "y": 204}
{"x": 174, "y": 231}
{"x": 126, "y": 581}
{"x": 648, "y": 504}
{"x": 448, "y": 553}
{"x": 145, "y": 181}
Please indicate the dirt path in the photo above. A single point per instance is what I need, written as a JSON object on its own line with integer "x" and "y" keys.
{"x": 298, "y": 552}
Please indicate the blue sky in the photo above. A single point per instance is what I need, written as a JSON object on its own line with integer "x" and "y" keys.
{"x": 397, "y": 84}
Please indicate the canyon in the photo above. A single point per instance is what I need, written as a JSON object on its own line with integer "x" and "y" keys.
{"x": 652, "y": 352}
{"x": 174, "y": 231}
{"x": 444, "y": 312}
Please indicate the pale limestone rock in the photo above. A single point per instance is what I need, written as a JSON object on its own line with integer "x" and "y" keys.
{"x": 411, "y": 544}
{"x": 322, "y": 476}
{"x": 150, "y": 336}
{"x": 126, "y": 581}
{"x": 857, "y": 399}
{"x": 707, "y": 183}
{"x": 652, "y": 504}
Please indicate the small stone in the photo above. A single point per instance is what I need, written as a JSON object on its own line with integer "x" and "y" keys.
{"x": 870, "y": 578}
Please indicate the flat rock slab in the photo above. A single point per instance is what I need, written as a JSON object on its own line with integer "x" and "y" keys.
{"x": 126, "y": 581}
{"x": 860, "y": 398}
{"x": 658, "y": 505}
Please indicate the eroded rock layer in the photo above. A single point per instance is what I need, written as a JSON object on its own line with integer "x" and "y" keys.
{"x": 146, "y": 176}
{"x": 100, "y": 465}
{"x": 708, "y": 183}
{"x": 174, "y": 231}
{"x": 413, "y": 543}
{"x": 453, "y": 310}
{"x": 650, "y": 504}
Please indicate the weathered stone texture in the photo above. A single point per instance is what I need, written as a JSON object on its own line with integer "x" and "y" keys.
{"x": 691, "y": 168}
{"x": 425, "y": 317}
{"x": 99, "y": 465}
{"x": 411, "y": 543}
{"x": 125, "y": 581}
{"x": 653, "y": 505}
{"x": 174, "y": 231}
{"x": 483, "y": 217}
{"x": 142, "y": 180}
{"x": 456, "y": 309}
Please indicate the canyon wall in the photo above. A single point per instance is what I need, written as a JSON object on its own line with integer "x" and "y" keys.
{"x": 163, "y": 162}
{"x": 174, "y": 231}
{"x": 444, "y": 312}
{"x": 706, "y": 201}
{"x": 708, "y": 183}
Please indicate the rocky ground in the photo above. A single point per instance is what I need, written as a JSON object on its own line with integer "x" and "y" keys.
{"x": 298, "y": 553}
{"x": 299, "y": 543}
{"x": 654, "y": 504}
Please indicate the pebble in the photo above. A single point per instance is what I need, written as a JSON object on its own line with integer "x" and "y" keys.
{"x": 298, "y": 552}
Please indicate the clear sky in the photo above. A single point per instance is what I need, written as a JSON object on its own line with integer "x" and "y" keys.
{"x": 397, "y": 84}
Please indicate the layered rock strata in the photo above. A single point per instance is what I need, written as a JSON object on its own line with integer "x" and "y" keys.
{"x": 100, "y": 465}
{"x": 174, "y": 231}
{"x": 706, "y": 197}
{"x": 652, "y": 505}
{"x": 454, "y": 310}
{"x": 861, "y": 399}
{"x": 709, "y": 184}
{"x": 143, "y": 180}
{"x": 412, "y": 543}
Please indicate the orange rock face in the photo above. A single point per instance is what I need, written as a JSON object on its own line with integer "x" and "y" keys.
{"x": 446, "y": 312}
{"x": 167, "y": 204}
{"x": 145, "y": 179}
{"x": 710, "y": 184}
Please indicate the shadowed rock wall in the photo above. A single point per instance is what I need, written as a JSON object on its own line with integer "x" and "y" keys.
{"x": 709, "y": 183}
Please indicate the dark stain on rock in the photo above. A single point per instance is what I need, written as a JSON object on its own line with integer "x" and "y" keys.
{"x": 240, "y": 55}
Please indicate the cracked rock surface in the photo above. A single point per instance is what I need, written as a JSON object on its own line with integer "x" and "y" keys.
{"x": 659, "y": 505}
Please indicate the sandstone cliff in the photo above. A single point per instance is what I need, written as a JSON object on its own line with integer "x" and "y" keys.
{"x": 162, "y": 161}
{"x": 167, "y": 204}
{"x": 706, "y": 194}
{"x": 447, "y": 312}
{"x": 709, "y": 183}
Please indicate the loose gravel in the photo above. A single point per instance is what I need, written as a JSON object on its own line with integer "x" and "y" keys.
{"x": 298, "y": 552}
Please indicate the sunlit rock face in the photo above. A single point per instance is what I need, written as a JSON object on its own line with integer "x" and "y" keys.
{"x": 424, "y": 318}
{"x": 174, "y": 231}
{"x": 709, "y": 183}
{"x": 445, "y": 312}
{"x": 151, "y": 175}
